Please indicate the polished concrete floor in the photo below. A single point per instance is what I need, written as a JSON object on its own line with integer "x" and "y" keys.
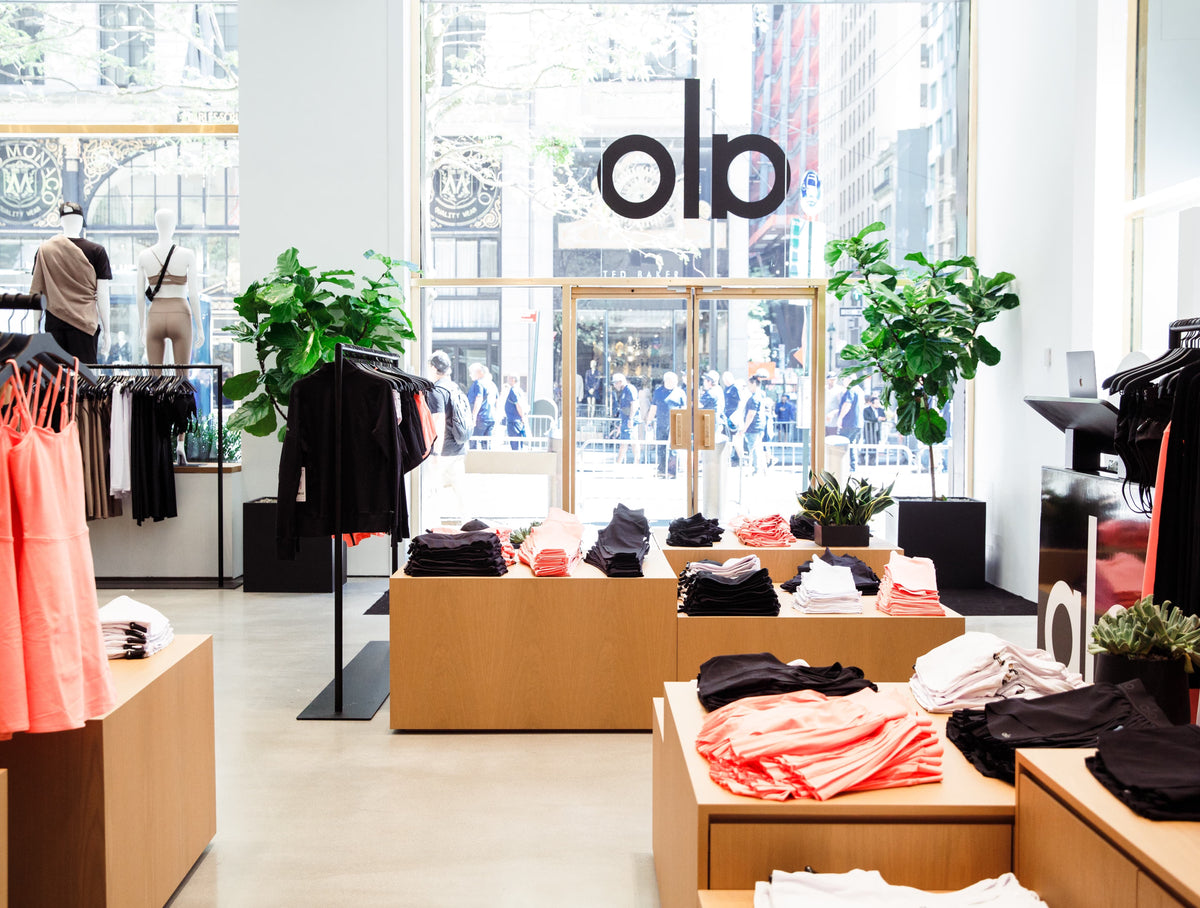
{"x": 325, "y": 814}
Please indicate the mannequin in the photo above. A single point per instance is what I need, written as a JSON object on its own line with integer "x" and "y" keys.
{"x": 175, "y": 312}
{"x": 74, "y": 275}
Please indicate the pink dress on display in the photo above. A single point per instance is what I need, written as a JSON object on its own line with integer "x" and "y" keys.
{"x": 14, "y": 700}
{"x": 66, "y": 671}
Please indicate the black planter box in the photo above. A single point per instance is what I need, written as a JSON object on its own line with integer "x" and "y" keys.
{"x": 952, "y": 533}
{"x": 264, "y": 572}
{"x": 842, "y": 536}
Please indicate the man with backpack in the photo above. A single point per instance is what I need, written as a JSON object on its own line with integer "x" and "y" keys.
{"x": 451, "y": 420}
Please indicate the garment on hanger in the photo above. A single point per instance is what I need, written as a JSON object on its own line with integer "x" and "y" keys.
{"x": 807, "y": 745}
{"x": 989, "y": 737}
{"x": 976, "y": 668}
{"x": 161, "y": 407}
{"x": 66, "y": 675}
{"x": 385, "y": 434}
{"x": 724, "y": 679}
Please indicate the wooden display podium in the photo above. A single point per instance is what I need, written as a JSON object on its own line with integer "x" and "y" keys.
{"x": 780, "y": 562}
{"x": 116, "y": 813}
{"x": 525, "y": 652}
{"x": 706, "y": 838}
{"x": 883, "y": 646}
{"x": 1078, "y": 845}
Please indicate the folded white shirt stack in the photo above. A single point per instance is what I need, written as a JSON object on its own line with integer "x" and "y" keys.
{"x": 732, "y": 569}
{"x": 867, "y": 889}
{"x": 827, "y": 589}
{"x": 978, "y": 668}
{"x": 133, "y": 630}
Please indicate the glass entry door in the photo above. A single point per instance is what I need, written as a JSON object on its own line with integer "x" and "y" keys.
{"x": 631, "y": 371}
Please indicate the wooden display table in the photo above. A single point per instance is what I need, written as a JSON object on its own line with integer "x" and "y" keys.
{"x": 706, "y": 838}
{"x": 526, "y": 652}
{"x": 1078, "y": 845}
{"x": 780, "y": 562}
{"x": 883, "y": 646}
{"x": 726, "y": 898}
{"x": 116, "y": 813}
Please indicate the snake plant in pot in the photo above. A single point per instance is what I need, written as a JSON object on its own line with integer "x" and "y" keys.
{"x": 1157, "y": 643}
{"x": 841, "y": 513}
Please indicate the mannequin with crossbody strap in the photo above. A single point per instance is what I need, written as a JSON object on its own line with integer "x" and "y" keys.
{"x": 173, "y": 312}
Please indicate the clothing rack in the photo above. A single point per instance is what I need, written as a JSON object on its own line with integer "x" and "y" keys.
{"x": 1184, "y": 332}
{"x": 358, "y": 689}
{"x": 218, "y": 371}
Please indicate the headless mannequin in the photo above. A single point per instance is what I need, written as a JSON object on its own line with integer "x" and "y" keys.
{"x": 76, "y": 287}
{"x": 72, "y": 226}
{"x": 174, "y": 314}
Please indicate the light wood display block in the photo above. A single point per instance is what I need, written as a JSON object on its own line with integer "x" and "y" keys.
{"x": 883, "y": 646}
{"x": 1078, "y": 845}
{"x": 525, "y": 652}
{"x": 726, "y": 898}
{"x": 708, "y": 838}
{"x": 116, "y": 813}
{"x": 781, "y": 562}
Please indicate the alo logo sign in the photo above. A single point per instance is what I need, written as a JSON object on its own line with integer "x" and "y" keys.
{"x": 724, "y": 150}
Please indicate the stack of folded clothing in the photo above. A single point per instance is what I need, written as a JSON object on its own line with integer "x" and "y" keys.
{"x": 133, "y": 630}
{"x": 723, "y": 679}
{"x": 478, "y": 553}
{"x": 740, "y": 586}
{"x": 909, "y": 587}
{"x": 975, "y": 669}
{"x": 694, "y": 531}
{"x": 807, "y": 745}
{"x": 622, "y": 545}
{"x": 868, "y": 889}
{"x": 828, "y": 589}
{"x": 802, "y": 527}
{"x": 763, "y": 532}
{"x": 1155, "y": 772}
{"x": 989, "y": 737}
{"x": 865, "y": 579}
{"x": 506, "y": 547}
{"x": 551, "y": 549}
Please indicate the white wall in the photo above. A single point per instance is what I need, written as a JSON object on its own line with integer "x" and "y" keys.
{"x": 322, "y": 154}
{"x": 1037, "y": 159}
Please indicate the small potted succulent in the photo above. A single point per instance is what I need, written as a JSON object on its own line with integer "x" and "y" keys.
{"x": 840, "y": 514}
{"x": 1157, "y": 643}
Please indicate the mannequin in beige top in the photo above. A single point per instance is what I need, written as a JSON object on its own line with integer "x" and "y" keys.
{"x": 170, "y": 316}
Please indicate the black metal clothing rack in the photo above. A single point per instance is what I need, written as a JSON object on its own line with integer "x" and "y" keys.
{"x": 1184, "y": 332}
{"x": 219, "y": 374}
{"x": 358, "y": 689}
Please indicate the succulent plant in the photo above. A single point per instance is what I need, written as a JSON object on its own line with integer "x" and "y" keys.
{"x": 1149, "y": 631}
{"x": 831, "y": 504}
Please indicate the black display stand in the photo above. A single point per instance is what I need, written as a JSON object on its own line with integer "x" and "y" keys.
{"x": 263, "y": 571}
{"x": 1089, "y": 424}
{"x": 358, "y": 689}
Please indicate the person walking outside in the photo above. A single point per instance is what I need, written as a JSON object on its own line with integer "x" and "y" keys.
{"x": 667, "y": 397}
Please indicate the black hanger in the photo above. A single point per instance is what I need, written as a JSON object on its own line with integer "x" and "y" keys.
{"x": 39, "y": 348}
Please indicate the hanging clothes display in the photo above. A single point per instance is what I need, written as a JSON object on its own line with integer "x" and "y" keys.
{"x": 64, "y": 678}
{"x": 387, "y": 431}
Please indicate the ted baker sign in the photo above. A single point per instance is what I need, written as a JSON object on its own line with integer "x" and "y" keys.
{"x": 724, "y": 150}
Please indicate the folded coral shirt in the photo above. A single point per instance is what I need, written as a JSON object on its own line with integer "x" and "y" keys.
{"x": 552, "y": 549}
{"x": 773, "y": 531}
{"x": 909, "y": 587}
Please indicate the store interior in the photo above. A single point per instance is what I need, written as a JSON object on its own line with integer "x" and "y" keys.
{"x": 481, "y": 717}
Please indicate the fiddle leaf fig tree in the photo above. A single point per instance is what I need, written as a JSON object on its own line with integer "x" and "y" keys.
{"x": 296, "y": 316}
{"x": 922, "y": 329}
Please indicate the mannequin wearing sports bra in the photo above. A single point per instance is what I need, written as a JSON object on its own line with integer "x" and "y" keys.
{"x": 170, "y": 316}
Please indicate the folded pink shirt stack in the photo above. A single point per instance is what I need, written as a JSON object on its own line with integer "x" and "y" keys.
{"x": 551, "y": 549}
{"x": 909, "y": 587}
{"x": 807, "y": 745}
{"x": 763, "y": 532}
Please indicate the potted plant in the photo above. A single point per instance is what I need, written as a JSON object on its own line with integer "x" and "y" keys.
{"x": 294, "y": 318}
{"x": 840, "y": 514}
{"x": 921, "y": 337}
{"x": 1157, "y": 643}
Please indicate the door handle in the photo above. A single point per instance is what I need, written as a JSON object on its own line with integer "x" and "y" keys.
{"x": 707, "y": 436}
{"x": 680, "y": 435}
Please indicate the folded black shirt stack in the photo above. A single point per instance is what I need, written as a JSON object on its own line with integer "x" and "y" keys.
{"x": 738, "y": 587}
{"x": 694, "y": 532}
{"x": 1154, "y": 771}
{"x": 474, "y": 554}
{"x": 723, "y": 679}
{"x": 802, "y": 527}
{"x": 989, "y": 737}
{"x": 622, "y": 545}
{"x": 865, "y": 579}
